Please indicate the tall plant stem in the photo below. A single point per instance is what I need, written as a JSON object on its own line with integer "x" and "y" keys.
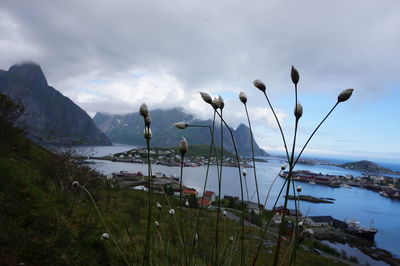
{"x": 313, "y": 133}
{"x": 290, "y": 176}
{"x": 146, "y": 260}
{"x": 270, "y": 187}
{"x": 296, "y": 233}
{"x": 241, "y": 188}
{"x": 279, "y": 125}
{"x": 104, "y": 223}
{"x": 254, "y": 161}
{"x": 180, "y": 208}
{"x": 219, "y": 190}
{"x": 266, "y": 226}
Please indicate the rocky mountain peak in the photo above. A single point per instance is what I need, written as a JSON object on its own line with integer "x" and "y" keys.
{"x": 27, "y": 74}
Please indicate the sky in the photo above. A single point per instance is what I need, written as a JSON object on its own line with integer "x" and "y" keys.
{"x": 110, "y": 56}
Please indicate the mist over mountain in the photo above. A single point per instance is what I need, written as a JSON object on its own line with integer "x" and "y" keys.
{"x": 49, "y": 117}
{"x": 128, "y": 129}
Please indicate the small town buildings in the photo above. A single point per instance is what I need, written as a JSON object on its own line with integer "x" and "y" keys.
{"x": 204, "y": 202}
{"x": 289, "y": 212}
{"x": 189, "y": 191}
{"x": 210, "y": 196}
{"x": 320, "y": 221}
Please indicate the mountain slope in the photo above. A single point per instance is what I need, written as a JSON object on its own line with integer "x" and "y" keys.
{"x": 128, "y": 129}
{"x": 49, "y": 116}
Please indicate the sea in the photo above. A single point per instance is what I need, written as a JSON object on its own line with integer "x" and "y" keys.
{"x": 367, "y": 207}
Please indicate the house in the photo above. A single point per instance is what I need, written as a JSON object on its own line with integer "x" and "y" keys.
{"x": 210, "y": 196}
{"x": 320, "y": 221}
{"x": 189, "y": 191}
{"x": 289, "y": 212}
{"x": 253, "y": 206}
{"x": 204, "y": 203}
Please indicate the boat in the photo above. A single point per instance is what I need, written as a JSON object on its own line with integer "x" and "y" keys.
{"x": 311, "y": 182}
{"x": 354, "y": 228}
{"x": 346, "y": 186}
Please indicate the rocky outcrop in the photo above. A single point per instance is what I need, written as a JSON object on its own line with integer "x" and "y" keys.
{"x": 49, "y": 117}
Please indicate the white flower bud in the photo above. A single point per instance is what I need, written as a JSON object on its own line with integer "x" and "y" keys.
{"x": 186, "y": 203}
{"x": 75, "y": 184}
{"x": 206, "y": 97}
{"x": 221, "y": 102}
{"x": 259, "y": 85}
{"x": 243, "y": 97}
{"x": 181, "y": 125}
{"x": 284, "y": 166}
{"x": 158, "y": 205}
{"x": 231, "y": 238}
{"x": 196, "y": 237}
{"x": 298, "y": 189}
{"x": 147, "y": 121}
{"x": 105, "y": 236}
{"x": 183, "y": 146}
{"x": 244, "y": 172}
{"x": 156, "y": 224}
{"x": 171, "y": 212}
{"x": 143, "y": 110}
{"x": 215, "y": 103}
{"x": 224, "y": 213}
{"x": 298, "y": 111}
{"x": 295, "y": 75}
{"x": 147, "y": 133}
{"x": 345, "y": 95}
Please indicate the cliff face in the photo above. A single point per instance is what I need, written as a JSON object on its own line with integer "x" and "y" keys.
{"x": 49, "y": 116}
{"x": 128, "y": 129}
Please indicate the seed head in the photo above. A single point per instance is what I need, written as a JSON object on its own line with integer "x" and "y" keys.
{"x": 186, "y": 203}
{"x": 158, "y": 205}
{"x": 171, "y": 212}
{"x": 196, "y": 237}
{"x": 344, "y": 95}
{"x": 244, "y": 172}
{"x": 105, "y": 236}
{"x": 143, "y": 110}
{"x": 284, "y": 166}
{"x": 183, "y": 146}
{"x": 298, "y": 111}
{"x": 301, "y": 224}
{"x": 147, "y": 133}
{"x": 298, "y": 189}
{"x": 147, "y": 121}
{"x": 181, "y": 125}
{"x": 156, "y": 224}
{"x": 75, "y": 184}
{"x": 259, "y": 85}
{"x": 295, "y": 75}
{"x": 224, "y": 213}
{"x": 231, "y": 238}
{"x": 206, "y": 97}
{"x": 215, "y": 103}
{"x": 243, "y": 97}
{"x": 221, "y": 102}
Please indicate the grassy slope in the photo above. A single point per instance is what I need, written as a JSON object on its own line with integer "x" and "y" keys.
{"x": 40, "y": 224}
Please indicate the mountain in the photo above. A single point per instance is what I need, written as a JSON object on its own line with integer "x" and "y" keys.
{"x": 49, "y": 116}
{"x": 366, "y": 166}
{"x": 128, "y": 129}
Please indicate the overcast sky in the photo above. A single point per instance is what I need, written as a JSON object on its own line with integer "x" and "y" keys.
{"x": 111, "y": 56}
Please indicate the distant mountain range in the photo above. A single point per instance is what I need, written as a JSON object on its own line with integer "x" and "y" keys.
{"x": 49, "y": 117}
{"x": 128, "y": 129}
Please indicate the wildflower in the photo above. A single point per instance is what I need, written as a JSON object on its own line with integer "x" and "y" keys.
{"x": 284, "y": 166}
{"x": 206, "y": 97}
{"x": 298, "y": 189}
{"x": 105, "y": 236}
{"x": 143, "y": 110}
{"x": 171, "y": 211}
{"x": 224, "y": 213}
{"x": 221, "y": 102}
{"x": 158, "y": 205}
{"x": 75, "y": 184}
{"x": 298, "y": 111}
{"x": 295, "y": 75}
{"x": 243, "y": 97}
{"x": 344, "y": 95}
{"x": 187, "y": 203}
{"x": 147, "y": 133}
{"x": 231, "y": 238}
{"x": 301, "y": 224}
{"x": 181, "y": 125}
{"x": 215, "y": 103}
{"x": 244, "y": 172}
{"x": 183, "y": 146}
{"x": 196, "y": 237}
{"x": 156, "y": 224}
{"x": 259, "y": 85}
{"x": 147, "y": 121}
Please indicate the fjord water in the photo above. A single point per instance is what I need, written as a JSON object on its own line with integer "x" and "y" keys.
{"x": 355, "y": 203}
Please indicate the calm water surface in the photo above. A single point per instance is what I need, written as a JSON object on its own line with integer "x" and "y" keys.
{"x": 363, "y": 205}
